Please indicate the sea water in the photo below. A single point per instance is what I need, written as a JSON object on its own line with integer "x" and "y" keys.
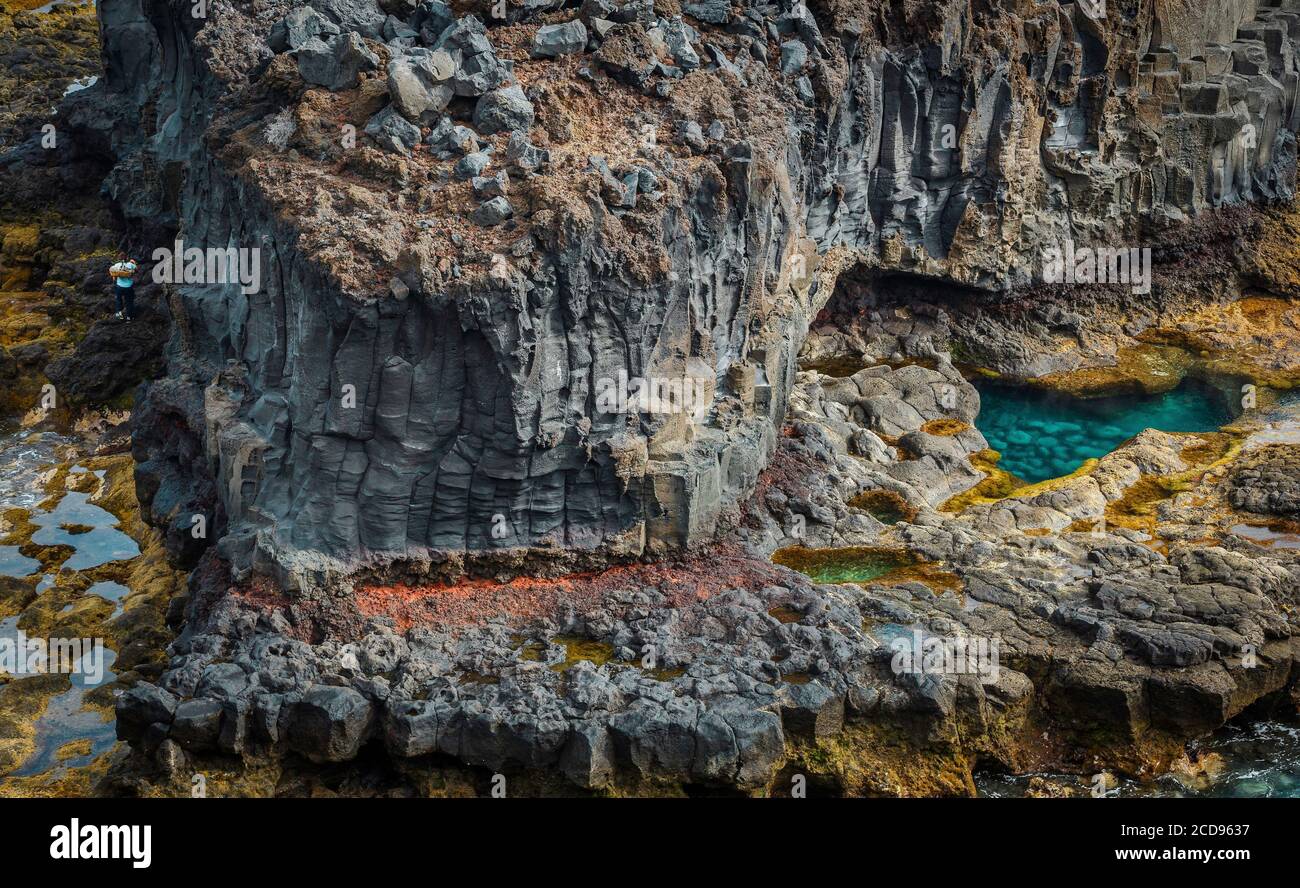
{"x": 24, "y": 455}
{"x": 1251, "y": 759}
{"x": 1045, "y": 435}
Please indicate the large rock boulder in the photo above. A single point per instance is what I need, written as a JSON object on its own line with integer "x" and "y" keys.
{"x": 335, "y": 63}
{"x": 298, "y": 27}
{"x": 392, "y": 131}
{"x": 505, "y": 109}
{"x": 329, "y": 724}
{"x": 419, "y": 82}
{"x": 552, "y": 41}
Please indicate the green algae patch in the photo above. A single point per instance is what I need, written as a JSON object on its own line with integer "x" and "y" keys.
{"x": 577, "y": 649}
{"x": 869, "y": 760}
{"x": 74, "y": 749}
{"x": 878, "y": 565}
{"x": 1001, "y": 484}
{"x": 927, "y": 573}
{"x": 1047, "y": 486}
{"x": 998, "y": 485}
{"x": 852, "y": 564}
{"x": 1136, "y": 509}
{"x": 665, "y": 673}
{"x": 886, "y": 506}
{"x": 22, "y": 702}
{"x": 533, "y": 652}
{"x": 785, "y": 614}
{"x": 1213, "y": 449}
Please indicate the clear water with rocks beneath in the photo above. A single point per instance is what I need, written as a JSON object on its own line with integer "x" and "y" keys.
{"x": 1250, "y": 759}
{"x": 24, "y": 455}
{"x": 1045, "y": 435}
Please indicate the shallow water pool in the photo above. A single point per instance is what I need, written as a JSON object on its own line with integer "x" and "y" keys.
{"x": 1241, "y": 760}
{"x": 1044, "y": 435}
{"x": 854, "y": 564}
{"x": 96, "y": 539}
{"x": 67, "y": 718}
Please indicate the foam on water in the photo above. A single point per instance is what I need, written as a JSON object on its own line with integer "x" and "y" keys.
{"x": 1258, "y": 759}
{"x": 22, "y": 454}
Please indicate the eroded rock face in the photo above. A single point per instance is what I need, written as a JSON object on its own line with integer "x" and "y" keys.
{"x": 419, "y": 378}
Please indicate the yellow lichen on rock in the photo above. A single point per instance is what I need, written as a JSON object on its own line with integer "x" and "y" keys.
{"x": 998, "y": 484}
{"x": 1139, "y": 369}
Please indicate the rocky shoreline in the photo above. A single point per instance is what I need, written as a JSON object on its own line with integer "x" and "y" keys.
{"x": 841, "y": 217}
{"x": 1118, "y": 646}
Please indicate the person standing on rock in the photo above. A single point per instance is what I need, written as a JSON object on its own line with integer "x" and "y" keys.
{"x": 123, "y": 274}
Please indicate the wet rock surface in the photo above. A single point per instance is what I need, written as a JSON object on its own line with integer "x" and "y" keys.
{"x": 108, "y": 581}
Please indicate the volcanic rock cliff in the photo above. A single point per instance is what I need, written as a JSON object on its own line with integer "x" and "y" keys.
{"x": 444, "y": 524}
{"x": 469, "y": 226}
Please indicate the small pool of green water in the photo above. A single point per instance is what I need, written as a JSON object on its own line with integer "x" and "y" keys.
{"x": 853, "y": 564}
{"x": 1045, "y": 435}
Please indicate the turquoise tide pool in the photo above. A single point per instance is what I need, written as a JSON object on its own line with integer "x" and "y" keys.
{"x": 1044, "y": 435}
